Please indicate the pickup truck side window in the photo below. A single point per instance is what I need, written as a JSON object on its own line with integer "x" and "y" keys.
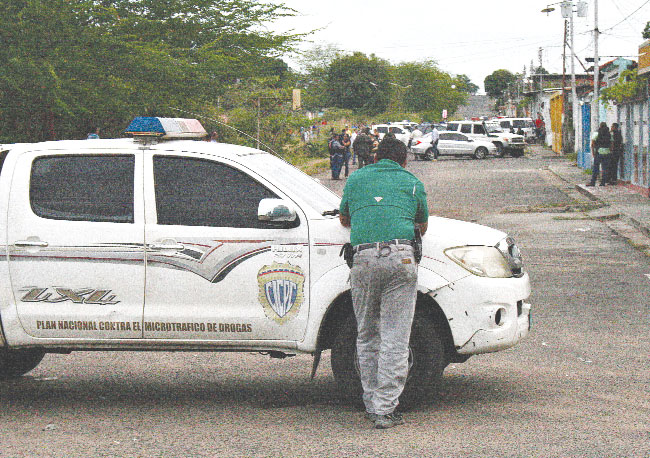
{"x": 83, "y": 188}
{"x": 478, "y": 129}
{"x": 198, "y": 192}
{"x": 466, "y": 128}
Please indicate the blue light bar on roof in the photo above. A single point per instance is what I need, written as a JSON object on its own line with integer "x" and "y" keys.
{"x": 166, "y": 127}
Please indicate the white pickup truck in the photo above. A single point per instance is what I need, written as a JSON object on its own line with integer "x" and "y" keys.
{"x": 157, "y": 244}
{"x": 503, "y": 141}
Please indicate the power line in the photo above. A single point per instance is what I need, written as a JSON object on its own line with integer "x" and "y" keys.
{"x": 627, "y": 17}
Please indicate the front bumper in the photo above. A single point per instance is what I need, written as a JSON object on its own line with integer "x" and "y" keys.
{"x": 486, "y": 314}
{"x": 505, "y": 335}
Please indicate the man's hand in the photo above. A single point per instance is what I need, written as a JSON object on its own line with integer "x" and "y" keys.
{"x": 344, "y": 219}
{"x": 423, "y": 227}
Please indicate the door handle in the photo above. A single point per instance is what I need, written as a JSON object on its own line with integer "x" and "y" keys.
{"x": 166, "y": 246}
{"x": 31, "y": 243}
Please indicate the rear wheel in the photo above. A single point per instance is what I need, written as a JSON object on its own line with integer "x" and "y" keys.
{"x": 14, "y": 363}
{"x": 427, "y": 360}
{"x": 480, "y": 152}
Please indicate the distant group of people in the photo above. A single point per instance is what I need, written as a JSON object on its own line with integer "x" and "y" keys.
{"x": 348, "y": 145}
{"x": 606, "y": 151}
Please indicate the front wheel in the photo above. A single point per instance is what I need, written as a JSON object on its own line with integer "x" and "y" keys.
{"x": 480, "y": 152}
{"x": 14, "y": 363}
{"x": 427, "y": 360}
{"x": 517, "y": 153}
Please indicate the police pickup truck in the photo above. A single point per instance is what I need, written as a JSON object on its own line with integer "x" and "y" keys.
{"x": 163, "y": 243}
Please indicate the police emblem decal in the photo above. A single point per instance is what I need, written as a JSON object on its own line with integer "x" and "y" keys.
{"x": 281, "y": 290}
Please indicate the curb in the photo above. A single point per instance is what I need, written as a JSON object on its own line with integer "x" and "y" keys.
{"x": 584, "y": 190}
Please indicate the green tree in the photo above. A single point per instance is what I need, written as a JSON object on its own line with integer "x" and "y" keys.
{"x": 70, "y": 64}
{"x": 498, "y": 82}
{"x": 427, "y": 90}
{"x": 464, "y": 84}
{"x": 646, "y": 31}
{"x": 359, "y": 82}
{"x": 315, "y": 64}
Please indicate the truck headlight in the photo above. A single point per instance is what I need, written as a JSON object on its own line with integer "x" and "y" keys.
{"x": 484, "y": 261}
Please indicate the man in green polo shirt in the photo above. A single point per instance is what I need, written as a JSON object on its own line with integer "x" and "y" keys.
{"x": 383, "y": 203}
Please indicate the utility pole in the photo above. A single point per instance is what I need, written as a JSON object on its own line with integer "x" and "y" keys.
{"x": 596, "y": 117}
{"x": 574, "y": 96}
{"x": 541, "y": 76}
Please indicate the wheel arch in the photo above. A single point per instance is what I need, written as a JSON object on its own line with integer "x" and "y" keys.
{"x": 337, "y": 312}
{"x": 341, "y": 308}
{"x": 428, "y": 304}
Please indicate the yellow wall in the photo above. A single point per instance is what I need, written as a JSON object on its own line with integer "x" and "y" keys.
{"x": 556, "y": 121}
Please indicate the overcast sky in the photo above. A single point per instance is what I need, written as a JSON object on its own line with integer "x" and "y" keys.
{"x": 474, "y": 37}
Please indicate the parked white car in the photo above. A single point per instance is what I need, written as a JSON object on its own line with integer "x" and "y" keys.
{"x": 453, "y": 144}
{"x": 513, "y": 125}
{"x": 401, "y": 132}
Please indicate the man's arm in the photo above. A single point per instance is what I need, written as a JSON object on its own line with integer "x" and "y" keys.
{"x": 423, "y": 227}
{"x": 344, "y": 219}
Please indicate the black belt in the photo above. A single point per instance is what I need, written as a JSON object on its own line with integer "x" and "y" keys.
{"x": 380, "y": 245}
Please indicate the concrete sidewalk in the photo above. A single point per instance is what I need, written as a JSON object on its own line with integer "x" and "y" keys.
{"x": 619, "y": 201}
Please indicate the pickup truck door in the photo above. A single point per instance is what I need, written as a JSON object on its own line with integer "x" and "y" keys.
{"x": 76, "y": 243}
{"x": 214, "y": 272}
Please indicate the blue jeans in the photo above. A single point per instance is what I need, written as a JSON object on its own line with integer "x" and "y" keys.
{"x": 600, "y": 161}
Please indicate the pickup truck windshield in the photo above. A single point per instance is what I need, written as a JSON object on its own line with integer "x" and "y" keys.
{"x": 298, "y": 183}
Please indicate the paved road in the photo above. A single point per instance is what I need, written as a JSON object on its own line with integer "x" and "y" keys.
{"x": 577, "y": 387}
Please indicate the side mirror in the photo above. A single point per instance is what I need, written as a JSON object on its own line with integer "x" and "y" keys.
{"x": 277, "y": 211}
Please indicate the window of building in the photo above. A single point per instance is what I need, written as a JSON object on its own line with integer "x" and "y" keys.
{"x": 83, "y": 188}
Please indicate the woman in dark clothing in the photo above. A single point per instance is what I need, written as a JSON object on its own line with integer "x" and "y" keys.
{"x": 600, "y": 145}
{"x": 617, "y": 153}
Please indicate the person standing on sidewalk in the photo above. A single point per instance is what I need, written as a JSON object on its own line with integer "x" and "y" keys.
{"x": 617, "y": 153}
{"x": 600, "y": 144}
{"x": 383, "y": 203}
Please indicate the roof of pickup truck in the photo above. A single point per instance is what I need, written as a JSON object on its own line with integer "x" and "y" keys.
{"x": 106, "y": 145}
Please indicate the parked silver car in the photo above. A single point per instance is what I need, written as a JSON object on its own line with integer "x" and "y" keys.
{"x": 452, "y": 143}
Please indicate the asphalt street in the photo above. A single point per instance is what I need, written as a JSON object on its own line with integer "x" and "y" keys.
{"x": 577, "y": 387}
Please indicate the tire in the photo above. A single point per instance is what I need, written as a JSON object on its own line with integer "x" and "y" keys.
{"x": 429, "y": 154}
{"x": 517, "y": 153}
{"x": 480, "y": 153}
{"x": 427, "y": 360}
{"x": 500, "y": 151}
{"x": 14, "y": 363}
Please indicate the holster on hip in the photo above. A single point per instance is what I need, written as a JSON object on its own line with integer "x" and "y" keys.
{"x": 347, "y": 251}
{"x": 417, "y": 245}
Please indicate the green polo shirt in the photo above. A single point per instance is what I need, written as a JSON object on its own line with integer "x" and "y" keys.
{"x": 383, "y": 201}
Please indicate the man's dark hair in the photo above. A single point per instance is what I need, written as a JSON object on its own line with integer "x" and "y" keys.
{"x": 393, "y": 149}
